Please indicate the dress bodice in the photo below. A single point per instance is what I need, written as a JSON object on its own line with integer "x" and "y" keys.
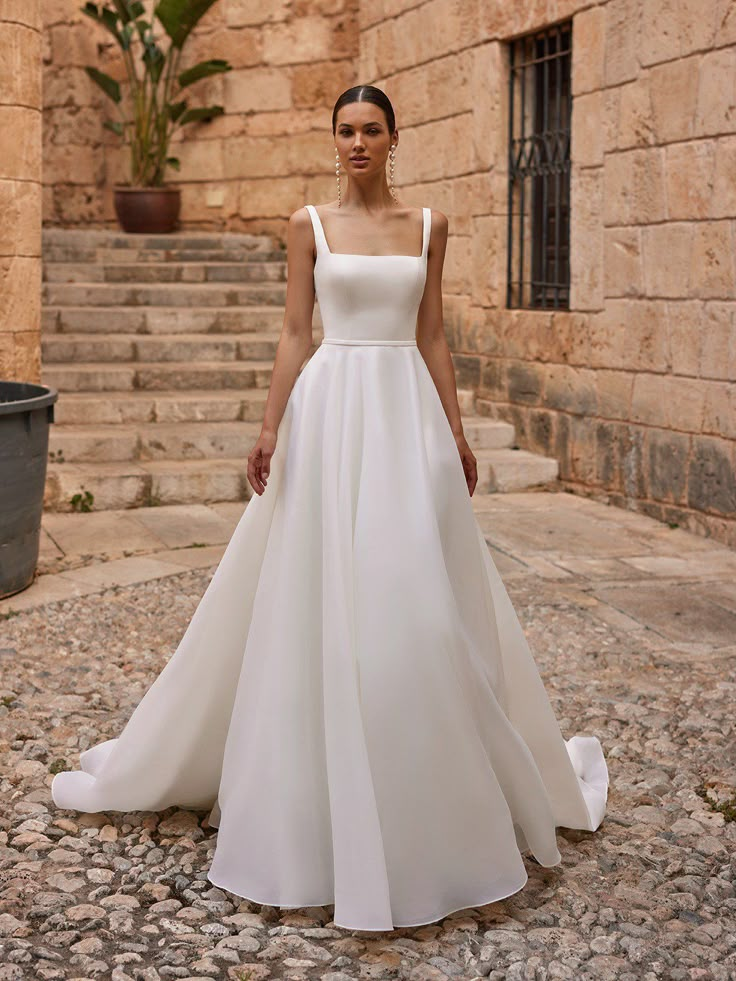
{"x": 369, "y": 299}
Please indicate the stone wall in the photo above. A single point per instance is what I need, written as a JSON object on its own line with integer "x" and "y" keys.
{"x": 634, "y": 388}
{"x": 246, "y": 171}
{"x": 20, "y": 190}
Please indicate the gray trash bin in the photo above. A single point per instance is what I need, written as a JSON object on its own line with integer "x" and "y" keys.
{"x": 26, "y": 411}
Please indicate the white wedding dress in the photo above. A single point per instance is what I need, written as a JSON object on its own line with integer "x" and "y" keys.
{"x": 354, "y": 700}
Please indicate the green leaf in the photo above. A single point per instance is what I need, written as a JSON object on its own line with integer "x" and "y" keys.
{"x": 106, "y": 17}
{"x": 175, "y": 109}
{"x": 125, "y": 35}
{"x": 91, "y": 10}
{"x": 203, "y": 70}
{"x": 108, "y": 85}
{"x": 202, "y": 115}
{"x": 115, "y": 126}
{"x": 128, "y": 10}
{"x": 174, "y": 162}
{"x": 180, "y": 17}
{"x": 154, "y": 59}
{"x": 143, "y": 27}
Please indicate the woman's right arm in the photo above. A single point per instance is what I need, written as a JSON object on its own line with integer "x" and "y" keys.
{"x": 294, "y": 344}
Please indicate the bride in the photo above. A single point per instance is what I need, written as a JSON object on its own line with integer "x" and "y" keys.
{"x": 354, "y": 702}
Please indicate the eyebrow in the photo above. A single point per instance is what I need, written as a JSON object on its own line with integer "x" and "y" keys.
{"x": 373, "y": 122}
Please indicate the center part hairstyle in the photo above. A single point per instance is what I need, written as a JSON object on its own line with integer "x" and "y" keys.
{"x": 365, "y": 93}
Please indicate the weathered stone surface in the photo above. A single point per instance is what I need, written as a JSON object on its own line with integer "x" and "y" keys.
{"x": 714, "y": 114}
{"x": 622, "y": 262}
{"x": 586, "y": 264}
{"x": 587, "y": 133}
{"x": 689, "y": 177}
{"x": 635, "y": 116}
{"x": 633, "y": 187}
{"x": 20, "y": 57}
{"x": 653, "y": 187}
{"x": 674, "y": 94}
{"x": 723, "y": 202}
{"x": 712, "y": 477}
{"x": 524, "y": 383}
{"x": 20, "y": 190}
{"x": 589, "y": 50}
{"x": 632, "y": 624}
{"x": 668, "y": 460}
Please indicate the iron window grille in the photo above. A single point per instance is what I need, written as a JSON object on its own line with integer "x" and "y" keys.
{"x": 540, "y": 107}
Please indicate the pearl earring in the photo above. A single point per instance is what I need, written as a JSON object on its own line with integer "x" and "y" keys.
{"x": 337, "y": 174}
{"x": 392, "y": 155}
{"x": 391, "y": 181}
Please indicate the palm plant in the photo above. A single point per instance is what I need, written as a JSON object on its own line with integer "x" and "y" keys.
{"x": 158, "y": 108}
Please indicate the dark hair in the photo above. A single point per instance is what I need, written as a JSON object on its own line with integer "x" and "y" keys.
{"x": 366, "y": 93}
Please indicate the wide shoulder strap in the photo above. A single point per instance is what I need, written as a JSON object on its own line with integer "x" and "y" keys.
{"x": 319, "y": 234}
{"x": 426, "y": 227}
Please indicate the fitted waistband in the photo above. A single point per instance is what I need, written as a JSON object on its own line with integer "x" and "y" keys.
{"x": 345, "y": 340}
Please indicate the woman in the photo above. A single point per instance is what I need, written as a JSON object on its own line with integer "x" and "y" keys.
{"x": 354, "y": 700}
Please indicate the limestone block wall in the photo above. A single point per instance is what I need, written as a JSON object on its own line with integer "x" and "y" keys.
{"x": 633, "y": 389}
{"x": 246, "y": 171}
{"x": 20, "y": 190}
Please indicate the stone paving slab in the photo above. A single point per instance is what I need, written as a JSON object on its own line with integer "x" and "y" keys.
{"x": 633, "y": 646}
{"x": 619, "y": 556}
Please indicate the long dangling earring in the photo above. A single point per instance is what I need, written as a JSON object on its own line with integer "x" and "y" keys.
{"x": 392, "y": 152}
{"x": 337, "y": 174}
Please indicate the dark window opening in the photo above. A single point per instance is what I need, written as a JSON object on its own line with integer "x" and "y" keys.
{"x": 540, "y": 105}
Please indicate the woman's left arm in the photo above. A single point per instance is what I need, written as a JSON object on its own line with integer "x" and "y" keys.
{"x": 433, "y": 345}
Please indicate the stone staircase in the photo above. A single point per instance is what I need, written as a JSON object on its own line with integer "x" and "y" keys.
{"x": 162, "y": 348}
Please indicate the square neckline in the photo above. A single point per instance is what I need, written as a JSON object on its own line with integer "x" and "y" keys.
{"x": 368, "y": 255}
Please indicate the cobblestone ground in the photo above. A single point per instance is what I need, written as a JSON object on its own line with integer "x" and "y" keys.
{"x": 649, "y": 895}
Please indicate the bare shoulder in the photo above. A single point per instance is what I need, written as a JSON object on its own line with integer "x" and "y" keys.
{"x": 300, "y": 237}
{"x": 300, "y": 229}
{"x": 438, "y": 231}
{"x": 300, "y": 218}
{"x": 440, "y": 223}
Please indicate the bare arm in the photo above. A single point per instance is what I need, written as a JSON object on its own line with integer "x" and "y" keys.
{"x": 433, "y": 346}
{"x": 294, "y": 343}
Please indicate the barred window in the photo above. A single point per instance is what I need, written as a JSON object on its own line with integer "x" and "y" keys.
{"x": 540, "y": 104}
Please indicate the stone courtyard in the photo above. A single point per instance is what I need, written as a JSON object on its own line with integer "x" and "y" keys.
{"x": 605, "y": 433}
{"x": 633, "y": 626}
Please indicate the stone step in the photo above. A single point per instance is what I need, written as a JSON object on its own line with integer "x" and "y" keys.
{"x": 163, "y": 320}
{"x": 166, "y": 295}
{"x": 130, "y": 484}
{"x": 141, "y": 483}
{"x": 115, "y": 238}
{"x": 105, "y": 348}
{"x": 74, "y": 254}
{"x": 164, "y": 272}
{"x": 466, "y": 401}
{"x": 151, "y": 441}
{"x": 503, "y": 470}
{"x": 226, "y": 405}
{"x": 112, "y": 245}
{"x": 212, "y": 439}
{"x": 161, "y": 376}
{"x": 218, "y": 406}
{"x": 487, "y": 434}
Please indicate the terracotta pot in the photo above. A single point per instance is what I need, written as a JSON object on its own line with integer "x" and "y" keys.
{"x": 147, "y": 209}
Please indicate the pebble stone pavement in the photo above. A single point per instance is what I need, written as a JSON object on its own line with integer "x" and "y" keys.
{"x": 633, "y": 626}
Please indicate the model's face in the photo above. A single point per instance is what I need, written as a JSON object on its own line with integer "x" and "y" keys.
{"x": 361, "y": 131}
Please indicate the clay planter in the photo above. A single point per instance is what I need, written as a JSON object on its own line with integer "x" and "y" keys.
{"x": 147, "y": 209}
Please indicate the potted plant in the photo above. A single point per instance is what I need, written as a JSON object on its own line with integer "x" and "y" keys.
{"x": 147, "y": 204}
{"x": 26, "y": 412}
